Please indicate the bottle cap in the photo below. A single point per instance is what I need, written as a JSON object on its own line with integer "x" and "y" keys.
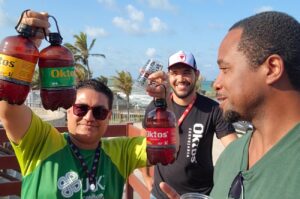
{"x": 55, "y": 38}
{"x": 161, "y": 103}
{"x": 25, "y": 30}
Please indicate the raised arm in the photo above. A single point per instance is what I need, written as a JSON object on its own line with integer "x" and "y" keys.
{"x": 16, "y": 118}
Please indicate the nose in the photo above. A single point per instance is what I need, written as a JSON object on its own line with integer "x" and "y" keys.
{"x": 217, "y": 83}
{"x": 89, "y": 115}
{"x": 180, "y": 77}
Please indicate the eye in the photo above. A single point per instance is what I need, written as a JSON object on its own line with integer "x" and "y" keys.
{"x": 224, "y": 69}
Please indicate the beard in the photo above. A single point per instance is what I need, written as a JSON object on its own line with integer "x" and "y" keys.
{"x": 231, "y": 116}
{"x": 184, "y": 95}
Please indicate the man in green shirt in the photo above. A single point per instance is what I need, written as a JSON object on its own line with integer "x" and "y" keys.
{"x": 79, "y": 163}
{"x": 259, "y": 61}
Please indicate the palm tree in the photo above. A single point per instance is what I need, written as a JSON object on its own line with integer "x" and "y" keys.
{"x": 82, "y": 52}
{"x": 103, "y": 79}
{"x": 35, "y": 83}
{"x": 199, "y": 83}
{"x": 123, "y": 83}
{"x": 81, "y": 72}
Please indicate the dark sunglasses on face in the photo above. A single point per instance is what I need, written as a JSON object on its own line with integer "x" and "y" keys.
{"x": 99, "y": 112}
{"x": 237, "y": 187}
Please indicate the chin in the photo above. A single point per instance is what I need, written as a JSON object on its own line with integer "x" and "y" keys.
{"x": 231, "y": 116}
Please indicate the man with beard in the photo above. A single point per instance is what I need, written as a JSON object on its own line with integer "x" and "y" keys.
{"x": 198, "y": 119}
{"x": 259, "y": 82}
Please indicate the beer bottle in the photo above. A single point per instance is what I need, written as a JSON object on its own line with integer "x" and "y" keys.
{"x": 160, "y": 125}
{"x": 57, "y": 74}
{"x": 18, "y": 57}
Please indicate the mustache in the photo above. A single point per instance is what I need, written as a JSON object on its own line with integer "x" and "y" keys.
{"x": 218, "y": 94}
{"x": 182, "y": 82}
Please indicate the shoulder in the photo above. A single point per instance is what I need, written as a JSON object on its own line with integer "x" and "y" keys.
{"x": 206, "y": 104}
{"x": 236, "y": 146}
{"x": 123, "y": 143}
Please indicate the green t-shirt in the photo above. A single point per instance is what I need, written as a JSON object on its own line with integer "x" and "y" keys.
{"x": 275, "y": 175}
{"x": 50, "y": 170}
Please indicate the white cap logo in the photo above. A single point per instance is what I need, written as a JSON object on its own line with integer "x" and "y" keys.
{"x": 182, "y": 57}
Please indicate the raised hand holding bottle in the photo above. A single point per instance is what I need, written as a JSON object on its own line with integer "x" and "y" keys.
{"x": 18, "y": 57}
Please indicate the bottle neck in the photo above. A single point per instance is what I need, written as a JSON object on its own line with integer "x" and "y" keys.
{"x": 160, "y": 103}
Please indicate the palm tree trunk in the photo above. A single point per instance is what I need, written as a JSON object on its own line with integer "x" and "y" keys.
{"x": 127, "y": 97}
{"x": 88, "y": 69}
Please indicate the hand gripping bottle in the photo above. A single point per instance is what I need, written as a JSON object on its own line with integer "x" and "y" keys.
{"x": 57, "y": 74}
{"x": 160, "y": 125}
{"x": 18, "y": 57}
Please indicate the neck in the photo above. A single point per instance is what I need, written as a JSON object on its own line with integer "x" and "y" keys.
{"x": 81, "y": 145}
{"x": 184, "y": 101}
{"x": 273, "y": 124}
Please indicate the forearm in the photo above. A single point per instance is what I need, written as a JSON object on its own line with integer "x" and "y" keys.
{"x": 15, "y": 119}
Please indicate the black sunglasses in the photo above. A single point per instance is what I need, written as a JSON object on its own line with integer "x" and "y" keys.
{"x": 237, "y": 187}
{"x": 99, "y": 112}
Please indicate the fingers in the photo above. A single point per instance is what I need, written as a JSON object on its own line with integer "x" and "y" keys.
{"x": 158, "y": 86}
{"x": 36, "y": 19}
{"x": 39, "y": 20}
{"x": 158, "y": 76}
{"x": 169, "y": 191}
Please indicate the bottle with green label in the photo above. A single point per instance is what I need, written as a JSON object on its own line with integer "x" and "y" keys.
{"x": 57, "y": 75}
{"x": 18, "y": 57}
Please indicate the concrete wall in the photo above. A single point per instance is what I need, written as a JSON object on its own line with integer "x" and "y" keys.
{"x": 56, "y": 118}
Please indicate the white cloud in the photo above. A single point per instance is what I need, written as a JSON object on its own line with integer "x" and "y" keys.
{"x": 264, "y": 9}
{"x": 108, "y": 3}
{"x": 161, "y": 4}
{"x": 157, "y": 25}
{"x": 134, "y": 14}
{"x": 133, "y": 23}
{"x": 95, "y": 32}
{"x": 151, "y": 52}
{"x": 127, "y": 25}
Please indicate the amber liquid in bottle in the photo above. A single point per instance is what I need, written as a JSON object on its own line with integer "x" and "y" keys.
{"x": 57, "y": 74}
{"x": 18, "y": 57}
{"x": 160, "y": 125}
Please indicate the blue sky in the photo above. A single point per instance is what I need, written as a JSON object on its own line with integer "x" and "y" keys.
{"x": 131, "y": 32}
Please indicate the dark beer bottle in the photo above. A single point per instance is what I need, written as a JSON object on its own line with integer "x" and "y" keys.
{"x": 57, "y": 75}
{"x": 18, "y": 57}
{"x": 160, "y": 125}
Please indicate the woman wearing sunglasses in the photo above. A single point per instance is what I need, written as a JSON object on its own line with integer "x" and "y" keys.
{"x": 77, "y": 164}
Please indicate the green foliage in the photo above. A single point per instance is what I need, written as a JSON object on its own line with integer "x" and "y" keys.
{"x": 123, "y": 82}
{"x": 82, "y": 52}
{"x": 35, "y": 83}
{"x": 103, "y": 79}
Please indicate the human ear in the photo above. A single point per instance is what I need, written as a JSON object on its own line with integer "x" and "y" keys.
{"x": 275, "y": 68}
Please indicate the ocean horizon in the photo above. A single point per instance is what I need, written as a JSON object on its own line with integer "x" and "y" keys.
{"x": 140, "y": 98}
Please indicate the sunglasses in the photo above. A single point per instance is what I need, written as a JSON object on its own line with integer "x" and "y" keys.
{"x": 237, "y": 187}
{"x": 99, "y": 112}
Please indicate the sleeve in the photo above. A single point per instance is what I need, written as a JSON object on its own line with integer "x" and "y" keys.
{"x": 148, "y": 109}
{"x": 222, "y": 128}
{"x": 126, "y": 153}
{"x": 40, "y": 140}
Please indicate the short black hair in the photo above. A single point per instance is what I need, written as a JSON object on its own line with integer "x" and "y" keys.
{"x": 99, "y": 87}
{"x": 270, "y": 33}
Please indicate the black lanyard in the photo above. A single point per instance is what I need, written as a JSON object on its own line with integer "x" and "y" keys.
{"x": 90, "y": 174}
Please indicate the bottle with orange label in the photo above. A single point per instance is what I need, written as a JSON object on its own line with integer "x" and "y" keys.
{"x": 18, "y": 57}
{"x": 57, "y": 74}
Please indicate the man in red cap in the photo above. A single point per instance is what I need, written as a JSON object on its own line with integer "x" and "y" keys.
{"x": 198, "y": 118}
